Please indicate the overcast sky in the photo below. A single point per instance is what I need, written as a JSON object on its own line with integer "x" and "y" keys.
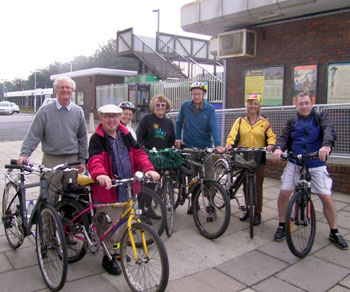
{"x": 35, "y": 33}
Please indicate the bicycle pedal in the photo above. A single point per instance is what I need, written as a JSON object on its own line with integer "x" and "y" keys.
{"x": 210, "y": 219}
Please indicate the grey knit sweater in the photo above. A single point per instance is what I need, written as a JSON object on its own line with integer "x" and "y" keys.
{"x": 60, "y": 132}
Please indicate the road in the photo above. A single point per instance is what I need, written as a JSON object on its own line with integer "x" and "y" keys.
{"x": 14, "y": 127}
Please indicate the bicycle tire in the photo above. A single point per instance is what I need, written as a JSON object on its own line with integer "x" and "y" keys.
{"x": 51, "y": 248}
{"x": 210, "y": 220}
{"x": 300, "y": 229}
{"x": 76, "y": 242}
{"x": 159, "y": 223}
{"x": 168, "y": 196}
{"x": 12, "y": 219}
{"x": 251, "y": 204}
{"x": 148, "y": 273}
{"x": 222, "y": 173}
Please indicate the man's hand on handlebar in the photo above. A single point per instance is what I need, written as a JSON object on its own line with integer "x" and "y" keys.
{"x": 153, "y": 174}
{"x": 81, "y": 168}
{"x": 104, "y": 180}
{"x": 219, "y": 149}
{"x": 23, "y": 160}
{"x": 323, "y": 153}
{"x": 277, "y": 155}
{"x": 178, "y": 143}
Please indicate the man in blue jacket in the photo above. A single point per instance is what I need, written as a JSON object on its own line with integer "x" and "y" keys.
{"x": 308, "y": 132}
{"x": 197, "y": 124}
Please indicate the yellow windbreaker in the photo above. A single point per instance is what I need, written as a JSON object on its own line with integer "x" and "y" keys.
{"x": 252, "y": 136}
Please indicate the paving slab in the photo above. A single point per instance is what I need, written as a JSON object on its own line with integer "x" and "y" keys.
{"x": 313, "y": 274}
{"x": 206, "y": 281}
{"x": 252, "y": 268}
{"x": 275, "y": 285}
{"x": 346, "y": 282}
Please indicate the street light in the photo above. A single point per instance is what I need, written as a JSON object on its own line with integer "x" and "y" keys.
{"x": 157, "y": 36}
{"x": 35, "y": 91}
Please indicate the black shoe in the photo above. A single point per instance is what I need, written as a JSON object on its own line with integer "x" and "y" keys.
{"x": 151, "y": 214}
{"x": 244, "y": 217}
{"x": 112, "y": 266}
{"x": 280, "y": 234}
{"x": 257, "y": 219}
{"x": 189, "y": 210}
{"x": 338, "y": 240}
{"x": 146, "y": 220}
{"x": 117, "y": 256}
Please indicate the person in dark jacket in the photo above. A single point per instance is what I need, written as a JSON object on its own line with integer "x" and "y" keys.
{"x": 155, "y": 129}
{"x": 113, "y": 151}
{"x": 308, "y": 132}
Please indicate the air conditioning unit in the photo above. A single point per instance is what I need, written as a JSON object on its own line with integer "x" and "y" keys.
{"x": 237, "y": 43}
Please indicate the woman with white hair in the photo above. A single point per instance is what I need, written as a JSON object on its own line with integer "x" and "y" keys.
{"x": 253, "y": 131}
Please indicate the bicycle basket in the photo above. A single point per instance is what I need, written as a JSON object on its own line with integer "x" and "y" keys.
{"x": 165, "y": 159}
{"x": 247, "y": 159}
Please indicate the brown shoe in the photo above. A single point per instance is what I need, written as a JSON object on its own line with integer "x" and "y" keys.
{"x": 257, "y": 219}
{"x": 244, "y": 216}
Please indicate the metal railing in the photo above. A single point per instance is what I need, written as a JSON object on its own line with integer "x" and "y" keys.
{"x": 339, "y": 115}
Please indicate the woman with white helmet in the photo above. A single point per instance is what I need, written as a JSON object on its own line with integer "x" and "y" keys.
{"x": 127, "y": 114}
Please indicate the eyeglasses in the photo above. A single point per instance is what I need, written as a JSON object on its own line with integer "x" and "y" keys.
{"x": 160, "y": 105}
{"x": 197, "y": 94}
{"x": 111, "y": 117}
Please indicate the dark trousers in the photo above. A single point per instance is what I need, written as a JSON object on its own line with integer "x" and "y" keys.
{"x": 259, "y": 173}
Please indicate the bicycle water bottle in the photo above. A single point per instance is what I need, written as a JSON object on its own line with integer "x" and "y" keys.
{"x": 192, "y": 182}
{"x": 30, "y": 208}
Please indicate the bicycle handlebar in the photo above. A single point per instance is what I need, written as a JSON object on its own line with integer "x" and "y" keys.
{"x": 300, "y": 157}
{"x": 139, "y": 176}
{"x": 246, "y": 149}
{"x": 30, "y": 168}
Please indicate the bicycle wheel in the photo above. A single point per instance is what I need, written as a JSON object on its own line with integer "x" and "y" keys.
{"x": 51, "y": 248}
{"x": 251, "y": 204}
{"x": 150, "y": 270}
{"x": 168, "y": 196}
{"x": 300, "y": 225}
{"x": 210, "y": 220}
{"x": 222, "y": 173}
{"x": 75, "y": 238}
{"x": 153, "y": 209}
{"x": 12, "y": 219}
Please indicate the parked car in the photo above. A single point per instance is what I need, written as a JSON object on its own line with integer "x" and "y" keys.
{"x": 15, "y": 108}
{"x": 48, "y": 100}
{"x": 6, "y": 108}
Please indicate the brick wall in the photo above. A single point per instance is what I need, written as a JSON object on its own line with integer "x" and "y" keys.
{"x": 318, "y": 40}
{"x": 339, "y": 173}
{"x": 88, "y": 84}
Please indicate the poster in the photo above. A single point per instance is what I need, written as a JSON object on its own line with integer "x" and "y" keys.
{"x": 266, "y": 82}
{"x": 305, "y": 79}
{"x": 338, "y": 77}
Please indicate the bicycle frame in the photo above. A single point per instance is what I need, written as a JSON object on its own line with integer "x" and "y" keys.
{"x": 128, "y": 216}
{"x": 21, "y": 192}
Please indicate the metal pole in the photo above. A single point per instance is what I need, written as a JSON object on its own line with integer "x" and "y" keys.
{"x": 71, "y": 67}
{"x": 35, "y": 91}
{"x": 157, "y": 36}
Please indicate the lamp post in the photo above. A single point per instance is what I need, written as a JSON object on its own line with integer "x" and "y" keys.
{"x": 157, "y": 36}
{"x": 35, "y": 91}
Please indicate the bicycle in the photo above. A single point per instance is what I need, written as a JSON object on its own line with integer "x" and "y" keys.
{"x": 49, "y": 235}
{"x": 237, "y": 168}
{"x": 210, "y": 205}
{"x": 143, "y": 256}
{"x": 300, "y": 217}
{"x": 166, "y": 162}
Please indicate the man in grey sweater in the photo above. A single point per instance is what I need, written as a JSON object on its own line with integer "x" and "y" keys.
{"x": 60, "y": 127}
